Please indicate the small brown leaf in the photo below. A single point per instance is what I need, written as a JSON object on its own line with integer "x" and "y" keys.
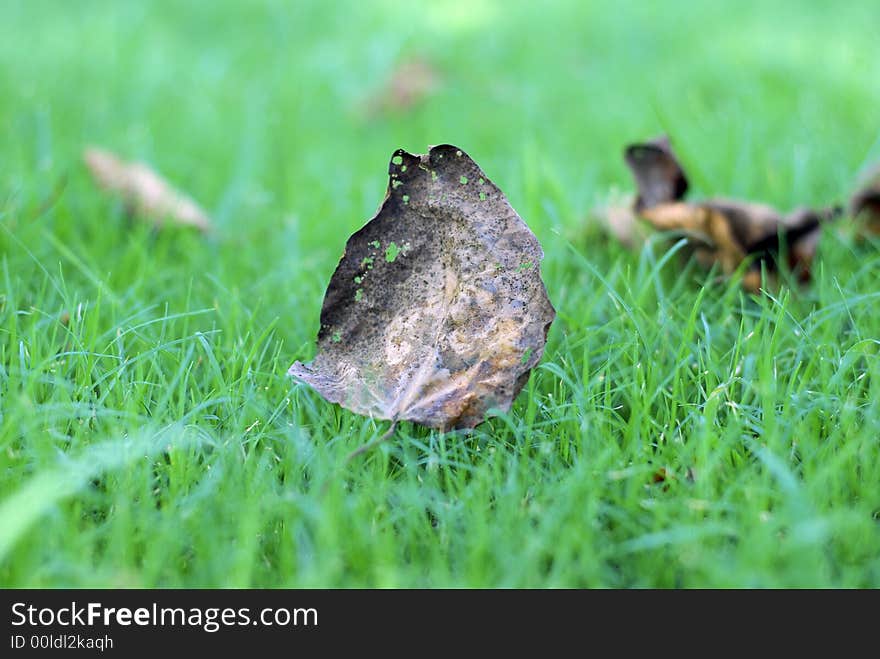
{"x": 145, "y": 192}
{"x": 436, "y": 312}
{"x": 410, "y": 83}
{"x": 659, "y": 177}
{"x": 727, "y": 232}
{"x": 619, "y": 219}
{"x": 661, "y": 475}
{"x": 722, "y": 231}
{"x": 865, "y": 203}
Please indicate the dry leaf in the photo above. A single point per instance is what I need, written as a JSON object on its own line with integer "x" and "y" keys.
{"x": 727, "y": 232}
{"x": 659, "y": 176}
{"x": 662, "y": 475}
{"x": 721, "y": 231}
{"x": 410, "y": 83}
{"x": 145, "y": 192}
{"x": 619, "y": 218}
{"x": 436, "y": 312}
{"x": 865, "y": 203}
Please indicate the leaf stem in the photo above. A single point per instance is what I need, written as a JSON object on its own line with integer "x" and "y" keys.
{"x": 371, "y": 445}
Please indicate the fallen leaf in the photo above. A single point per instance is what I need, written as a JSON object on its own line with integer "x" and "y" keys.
{"x": 411, "y": 82}
{"x": 661, "y": 475}
{"x": 865, "y": 203}
{"x": 727, "y": 232}
{"x": 619, "y": 218}
{"x": 658, "y": 174}
{"x": 145, "y": 192}
{"x": 721, "y": 231}
{"x": 436, "y": 312}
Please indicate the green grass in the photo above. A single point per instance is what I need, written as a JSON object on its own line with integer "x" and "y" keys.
{"x": 155, "y": 439}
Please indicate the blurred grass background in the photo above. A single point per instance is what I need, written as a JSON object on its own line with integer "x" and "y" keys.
{"x": 155, "y": 439}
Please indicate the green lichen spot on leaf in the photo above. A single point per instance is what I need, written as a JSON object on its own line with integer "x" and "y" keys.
{"x": 367, "y": 262}
{"x": 391, "y": 252}
{"x": 359, "y": 295}
{"x": 403, "y": 168}
{"x": 481, "y": 181}
{"x": 482, "y": 196}
{"x": 396, "y": 184}
{"x": 524, "y": 266}
{"x": 376, "y": 244}
{"x": 526, "y": 355}
{"x": 397, "y": 160}
{"x": 463, "y": 180}
{"x": 336, "y": 338}
{"x": 406, "y": 198}
{"x": 358, "y": 280}
{"x": 433, "y": 175}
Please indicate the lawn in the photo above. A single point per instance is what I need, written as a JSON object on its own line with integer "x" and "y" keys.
{"x": 678, "y": 432}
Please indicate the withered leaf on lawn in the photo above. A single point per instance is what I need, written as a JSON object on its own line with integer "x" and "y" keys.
{"x": 721, "y": 230}
{"x": 865, "y": 203}
{"x": 436, "y": 312}
{"x": 410, "y": 83}
{"x": 144, "y": 191}
{"x": 617, "y": 215}
{"x": 659, "y": 176}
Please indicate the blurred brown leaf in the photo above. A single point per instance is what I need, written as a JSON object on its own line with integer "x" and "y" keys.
{"x": 865, "y": 203}
{"x": 411, "y": 82}
{"x": 721, "y": 231}
{"x": 145, "y": 192}
{"x": 437, "y": 312}
{"x": 658, "y": 174}
{"x": 619, "y": 218}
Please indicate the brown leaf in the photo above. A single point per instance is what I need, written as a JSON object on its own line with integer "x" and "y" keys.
{"x": 620, "y": 220}
{"x": 659, "y": 176}
{"x": 436, "y": 312}
{"x": 661, "y": 475}
{"x": 145, "y": 192}
{"x": 721, "y": 230}
{"x": 410, "y": 83}
{"x": 865, "y": 203}
{"x": 727, "y": 232}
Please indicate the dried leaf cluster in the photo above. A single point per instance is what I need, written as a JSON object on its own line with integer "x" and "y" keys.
{"x": 437, "y": 312}
{"x": 722, "y": 231}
